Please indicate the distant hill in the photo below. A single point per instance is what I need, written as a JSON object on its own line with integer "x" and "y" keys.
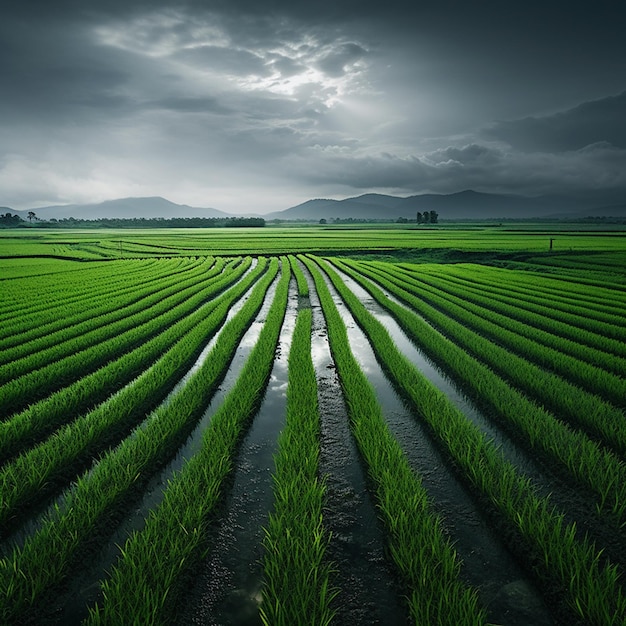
{"x": 123, "y": 208}
{"x": 464, "y": 205}
{"x": 457, "y": 206}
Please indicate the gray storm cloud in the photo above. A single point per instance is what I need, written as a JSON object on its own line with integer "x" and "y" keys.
{"x": 601, "y": 120}
{"x": 223, "y": 103}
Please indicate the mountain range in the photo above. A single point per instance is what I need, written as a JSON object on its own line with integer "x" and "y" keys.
{"x": 464, "y": 205}
{"x": 457, "y": 206}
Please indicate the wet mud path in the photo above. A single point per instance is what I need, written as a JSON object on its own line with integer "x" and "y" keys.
{"x": 368, "y": 591}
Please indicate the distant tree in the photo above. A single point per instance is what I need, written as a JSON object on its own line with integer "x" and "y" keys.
{"x": 31, "y": 216}
{"x": 434, "y": 216}
{"x": 419, "y": 217}
{"x": 10, "y": 221}
{"x": 426, "y": 217}
{"x": 401, "y": 220}
{"x": 322, "y": 221}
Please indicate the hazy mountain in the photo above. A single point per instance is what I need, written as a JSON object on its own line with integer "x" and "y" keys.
{"x": 123, "y": 208}
{"x": 463, "y": 205}
{"x": 368, "y": 206}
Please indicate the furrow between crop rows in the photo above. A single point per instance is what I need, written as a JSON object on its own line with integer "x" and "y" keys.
{"x": 72, "y": 523}
{"x": 425, "y": 559}
{"x": 141, "y": 581}
{"x": 589, "y": 584}
{"x": 599, "y": 418}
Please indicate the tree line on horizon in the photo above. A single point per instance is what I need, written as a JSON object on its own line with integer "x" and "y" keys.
{"x": 15, "y": 221}
{"x": 427, "y": 217}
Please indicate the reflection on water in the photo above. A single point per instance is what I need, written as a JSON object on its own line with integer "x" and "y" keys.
{"x": 505, "y": 590}
{"x": 227, "y": 588}
{"x": 368, "y": 592}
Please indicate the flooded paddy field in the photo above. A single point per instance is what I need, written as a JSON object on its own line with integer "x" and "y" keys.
{"x": 160, "y": 498}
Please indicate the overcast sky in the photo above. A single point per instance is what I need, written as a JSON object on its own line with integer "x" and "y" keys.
{"x": 253, "y": 106}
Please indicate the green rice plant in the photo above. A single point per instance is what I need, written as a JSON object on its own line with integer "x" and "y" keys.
{"x": 584, "y": 366}
{"x": 577, "y": 455}
{"x": 73, "y": 337}
{"x": 590, "y": 583}
{"x": 303, "y": 285}
{"x": 39, "y": 312}
{"x": 602, "y": 301}
{"x": 46, "y": 557}
{"x": 36, "y": 384}
{"x": 424, "y": 557}
{"x": 576, "y": 328}
{"x": 297, "y": 586}
{"x": 41, "y": 301}
{"x": 565, "y": 398}
{"x": 514, "y": 319}
{"x": 44, "y": 416}
{"x": 35, "y": 470}
{"x": 143, "y": 582}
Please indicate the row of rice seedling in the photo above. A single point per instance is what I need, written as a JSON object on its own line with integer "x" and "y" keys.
{"x": 144, "y": 581}
{"x": 118, "y": 318}
{"x": 35, "y": 470}
{"x": 606, "y": 271}
{"x": 607, "y": 299}
{"x": 113, "y": 308}
{"x": 517, "y": 339}
{"x": 566, "y": 563}
{"x": 23, "y": 281}
{"x": 423, "y": 555}
{"x": 37, "y": 314}
{"x": 538, "y": 328}
{"x": 569, "y": 287}
{"x": 67, "y": 310}
{"x": 303, "y": 285}
{"x": 140, "y": 327}
{"x": 586, "y": 410}
{"x": 48, "y": 555}
{"x": 565, "y": 287}
{"x": 44, "y": 416}
{"x": 573, "y": 452}
{"x": 582, "y": 317}
{"x": 297, "y": 586}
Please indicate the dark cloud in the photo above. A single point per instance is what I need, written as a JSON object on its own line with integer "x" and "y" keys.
{"x": 591, "y": 122}
{"x": 220, "y": 101}
{"x": 476, "y": 167}
{"x": 191, "y": 105}
{"x": 336, "y": 61}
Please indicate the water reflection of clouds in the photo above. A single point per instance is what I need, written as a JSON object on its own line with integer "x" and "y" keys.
{"x": 319, "y": 351}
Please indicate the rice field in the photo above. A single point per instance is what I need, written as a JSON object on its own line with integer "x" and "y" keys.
{"x": 312, "y": 426}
